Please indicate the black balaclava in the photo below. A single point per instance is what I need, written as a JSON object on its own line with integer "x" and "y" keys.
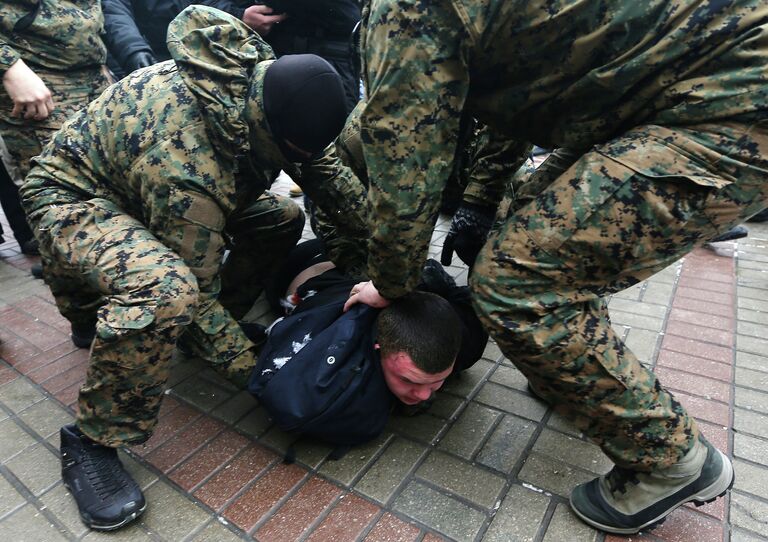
{"x": 303, "y": 103}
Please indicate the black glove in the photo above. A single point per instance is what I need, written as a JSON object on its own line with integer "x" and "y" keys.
{"x": 469, "y": 231}
{"x": 138, "y": 60}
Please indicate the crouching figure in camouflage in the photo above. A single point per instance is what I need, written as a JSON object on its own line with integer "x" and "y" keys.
{"x": 662, "y": 105}
{"x": 132, "y": 202}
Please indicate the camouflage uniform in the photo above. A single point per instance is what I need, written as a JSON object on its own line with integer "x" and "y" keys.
{"x": 131, "y": 203}
{"x": 60, "y": 41}
{"x": 663, "y": 104}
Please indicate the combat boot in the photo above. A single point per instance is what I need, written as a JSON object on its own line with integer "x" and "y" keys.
{"x": 106, "y": 495}
{"x": 83, "y": 335}
{"x": 625, "y": 501}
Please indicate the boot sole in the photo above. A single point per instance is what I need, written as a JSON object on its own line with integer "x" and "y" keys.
{"x": 108, "y": 527}
{"x": 705, "y": 496}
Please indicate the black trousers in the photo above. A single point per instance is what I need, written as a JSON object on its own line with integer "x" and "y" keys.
{"x": 9, "y": 198}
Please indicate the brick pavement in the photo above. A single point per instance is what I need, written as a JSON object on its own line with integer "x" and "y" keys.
{"x": 487, "y": 462}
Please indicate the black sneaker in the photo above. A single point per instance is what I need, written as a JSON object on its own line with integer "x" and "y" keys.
{"x": 737, "y": 232}
{"x": 625, "y": 501}
{"x": 37, "y": 270}
{"x": 82, "y": 335}
{"x": 106, "y": 495}
{"x": 30, "y": 247}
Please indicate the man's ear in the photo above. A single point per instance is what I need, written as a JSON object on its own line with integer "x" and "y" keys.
{"x": 376, "y": 346}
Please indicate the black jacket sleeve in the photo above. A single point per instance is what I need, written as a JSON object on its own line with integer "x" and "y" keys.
{"x": 122, "y": 35}
{"x": 233, "y": 7}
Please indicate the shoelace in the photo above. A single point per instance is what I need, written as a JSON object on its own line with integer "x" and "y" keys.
{"x": 618, "y": 478}
{"x": 104, "y": 471}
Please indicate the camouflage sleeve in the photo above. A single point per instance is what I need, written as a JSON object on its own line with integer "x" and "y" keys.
{"x": 417, "y": 81}
{"x": 494, "y": 161}
{"x": 8, "y": 56}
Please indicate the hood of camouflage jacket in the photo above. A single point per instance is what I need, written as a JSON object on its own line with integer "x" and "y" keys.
{"x": 223, "y": 62}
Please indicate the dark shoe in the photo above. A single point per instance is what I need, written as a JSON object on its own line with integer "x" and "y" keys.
{"x": 625, "y": 501}
{"x": 30, "y": 247}
{"x": 106, "y": 495}
{"x": 82, "y": 335}
{"x": 257, "y": 333}
{"x": 37, "y": 270}
{"x": 762, "y": 216}
{"x": 737, "y": 232}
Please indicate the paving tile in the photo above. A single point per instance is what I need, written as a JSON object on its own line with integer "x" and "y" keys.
{"x": 700, "y": 333}
{"x": 347, "y": 520}
{"x": 307, "y": 450}
{"x": 184, "y": 443}
{"x": 758, "y": 303}
{"x": 10, "y": 499}
{"x": 41, "y": 335}
{"x": 552, "y": 475}
{"x": 658, "y": 293}
{"x": 692, "y": 364}
{"x": 683, "y": 524}
{"x": 722, "y": 298}
{"x": 59, "y": 502}
{"x": 68, "y": 396}
{"x": 492, "y": 351}
{"x": 7, "y": 374}
{"x": 737, "y": 535}
{"x": 216, "y": 532}
{"x": 37, "y": 468}
{"x": 703, "y": 306}
{"x": 236, "y": 407}
{"x": 464, "y": 479}
{"x": 215, "y": 454}
{"x": 698, "y": 349}
{"x": 511, "y": 401}
{"x": 752, "y": 379}
{"x": 41, "y": 359}
{"x": 445, "y": 406}
{"x": 717, "y": 435}
{"x": 519, "y": 516}
{"x": 168, "y": 424}
{"x": 225, "y": 484}
{"x": 754, "y": 316}
{"x": 750, "y": 448}
{"x": 750, "y": 422}
{"x": 43, "y": 311}
{"x": 639, "y": 321}
{"x": 573, "y": 451}
{"x": 46, "y": 417}
{"x": 642, "y": 343}
{"x": 294, "y": 517}
{"x": 202, "y": 393}
{"x": 142, "y": 475}
{"x": 751, "y": 400}
{"x": 715, "y": 509}
{"x": 751, "y": 479}
{"x": 749, "y": 513}
{"x": 751, "y": 361}
{"x": 704, "y": 286}
{"x": 751, "y": 293}
{"x": 442, "y": 513}
{"x": 465, "y": 382}
{"x": 694, "y": 384}
{"x": 259, "y": 499}
{"x": 19, "y": 394}
{"x": 467, "y": 434}
{"x": 392, "y": 529}
{"x": 28, "y": 524}
{"x": 255, "y": 422}
{"x": 183, "y": 370}
{"x": 631, "y": 294}
{"x": 566, "y": 526}
{"x": 504, "y": 448}
{"x": 510, "y": 377}
{"x": 381, "y": 480}
{"x": 633, "y": 307}
{"x": 704, "y": 409}
{"x": 423, "y": 427}
{"x": 75, "y": 375}
{"x": 346, "y": 469}
{"x": 751, "y": 329}
{"x": 559, "y": 422}
{"x": 76, "y": 358}
{"x": 751, "y": 344}
{"x": 174, "y": 516}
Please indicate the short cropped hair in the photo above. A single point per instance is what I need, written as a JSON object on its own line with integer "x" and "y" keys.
{"x": 424, "y": 326}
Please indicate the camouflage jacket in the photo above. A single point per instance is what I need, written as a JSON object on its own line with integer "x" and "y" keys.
{"x": 52, "y": 34}
{"x": 562, "y": 73}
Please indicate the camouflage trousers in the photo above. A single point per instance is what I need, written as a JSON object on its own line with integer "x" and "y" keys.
{"x": 616, "y": 215}
{"x": 104, "y": 266}
{"x": 25, "y": 138}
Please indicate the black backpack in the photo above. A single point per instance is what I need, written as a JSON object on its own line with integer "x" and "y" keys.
{"x": 319, "y": 375}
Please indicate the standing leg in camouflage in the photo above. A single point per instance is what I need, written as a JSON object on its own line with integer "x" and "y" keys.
{"x": 610, "y": 220}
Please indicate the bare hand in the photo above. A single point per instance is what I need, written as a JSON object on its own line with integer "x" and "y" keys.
{"x": 261, "y": 18}
{"x": 29, "y": 94}
{"x": 366, "y": 292}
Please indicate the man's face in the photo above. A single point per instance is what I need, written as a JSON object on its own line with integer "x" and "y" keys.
{"x": 409, "y": 383}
